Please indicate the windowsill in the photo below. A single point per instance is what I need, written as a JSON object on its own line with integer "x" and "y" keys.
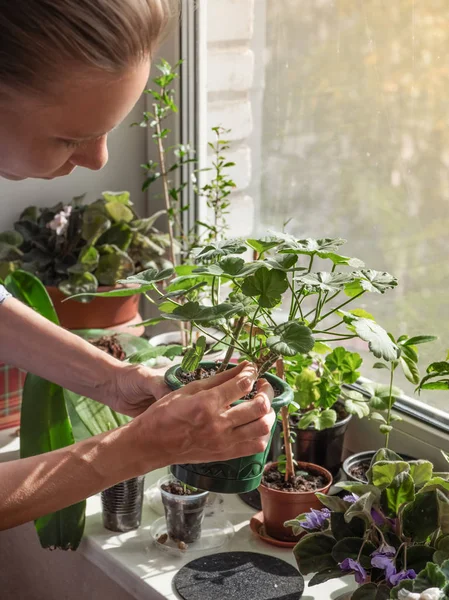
{"x": 133, "y": 561}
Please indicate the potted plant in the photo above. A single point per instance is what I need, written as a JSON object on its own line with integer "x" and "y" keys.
{"x": 184, "y": 510}
{"x": 81, "y": 247}
{"x": 381, "y": 399}
{"x": 323, "y": 406}
{"x": 387, "y": 532}
{"x": 252, "y": 325}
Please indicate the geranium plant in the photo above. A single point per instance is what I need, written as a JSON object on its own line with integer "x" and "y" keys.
{"x": 78, "y": 246}
{"x": 385, "y": 533}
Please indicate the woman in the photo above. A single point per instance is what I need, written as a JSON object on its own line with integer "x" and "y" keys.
{"x": 70, "y": 71}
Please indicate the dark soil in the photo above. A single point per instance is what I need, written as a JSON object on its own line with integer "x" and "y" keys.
{"x": 179, "y": 489}
{"x": 202, "y": 373}
{"x": 110, "y": 344}
{"x": 184, "y": 519}
{"x": 303, "y": 481}
{"x": 338, "y": 407}
{"x": 359, "y": 471}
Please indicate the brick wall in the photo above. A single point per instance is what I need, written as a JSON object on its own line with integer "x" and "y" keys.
{"x": 231, "y": 68}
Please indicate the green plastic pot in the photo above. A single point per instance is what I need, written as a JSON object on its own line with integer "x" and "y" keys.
{"x": 237, "y": 475}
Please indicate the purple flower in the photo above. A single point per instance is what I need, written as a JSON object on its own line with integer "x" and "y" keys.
{"x": 381, "y": 559}
{"x": 350, "y": 498}
{"x": 395, "y": 578}
{"x": 349, "y": 564}
{"x": 315, "y": 518}
{"x": 378, "y": 518}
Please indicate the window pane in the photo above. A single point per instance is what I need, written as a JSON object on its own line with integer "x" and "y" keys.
{"x": 350, "y": 139}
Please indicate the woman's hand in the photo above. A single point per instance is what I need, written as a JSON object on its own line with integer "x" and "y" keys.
{"x": 136, "y": 388}
{"x": 198, "y": 424}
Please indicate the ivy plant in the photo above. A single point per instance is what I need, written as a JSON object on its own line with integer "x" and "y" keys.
{"x": 391, "y": 534}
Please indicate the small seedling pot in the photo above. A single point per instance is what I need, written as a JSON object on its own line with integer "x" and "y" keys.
{"x": 361, "y": 458}
{"x": 280, "y": 506}
{"x": 184, "y": 514}
{"x": 234, "y": 476}
{"x": 122, "y": 505}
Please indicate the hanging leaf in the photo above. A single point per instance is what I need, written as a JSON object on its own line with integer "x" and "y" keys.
{"x": 291, "y": 338}
{"x": 327, "y": 282}
{"x": 439, "y": 371}
{"x": 378, "y": 340}
{"x": 268, "y": 286}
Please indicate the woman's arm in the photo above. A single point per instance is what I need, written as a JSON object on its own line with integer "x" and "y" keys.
{"x": 194, "y": 424}
{"x": 33, "y": 343}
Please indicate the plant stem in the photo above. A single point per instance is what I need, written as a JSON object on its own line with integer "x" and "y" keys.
{"x": 168, "y": 206}
{"x": 390, "y": 394}
{"x": 231, "y": 347}
{"x": 289, "y": 463}
{"x": 340, "y": 306}
{"x": 251, "y": 329}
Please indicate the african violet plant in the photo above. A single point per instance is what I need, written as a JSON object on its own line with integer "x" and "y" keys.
{"x": 78, "y": 247}
{"x": 392, "y": 534}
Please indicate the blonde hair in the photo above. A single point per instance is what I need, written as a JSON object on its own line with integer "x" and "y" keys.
{"x": 39, "y": 37}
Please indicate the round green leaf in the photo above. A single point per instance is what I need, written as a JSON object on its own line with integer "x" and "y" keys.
{"x": 112, "y": 267}
{"x": 291, "y": 338}
{"x": 314, "y": 553}
{"x": 420, "y": 517}
{"x": 119, "y": 212}
{"x": 351, "y": 547}
{"x": 400, "y": 491}
{"x": 267, "y": 285}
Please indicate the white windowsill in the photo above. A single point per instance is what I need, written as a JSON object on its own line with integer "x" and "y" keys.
{"x": 133, "y": 561}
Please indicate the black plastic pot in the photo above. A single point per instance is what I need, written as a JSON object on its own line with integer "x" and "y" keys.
{"x": 323, "y": 448}
{"x": 122, "y": 505}
{"x": 184, "y": 515}
{"x": 363, "y": 457}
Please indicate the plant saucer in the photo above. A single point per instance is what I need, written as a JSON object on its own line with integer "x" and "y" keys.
{"x": 215, "y": 533}
{"x": 257, "y": 526}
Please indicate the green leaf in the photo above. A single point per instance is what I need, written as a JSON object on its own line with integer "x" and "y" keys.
{"x": 13, "y": 238}
{"x": 380, "y": 395}
{"x": 82, "y": 283}
{"x": 344, "y": 362}
{"x": 354, "y": 487}
{"x": 267, "y": 285}
{"x": 220, "y": 249}
{"x": 420, "y": 517}
{"x": 94, "y": 225}
{"x": 291, "y": 338}
{"x": 145, "y": 225}
{"x": 88, "y": 258}
{"x": 146, "y": 277}
{"x": 29, "y": 289}
{"x": 382, "y": 473}
{"x": 443, "y": 510}
{"x": 361, "y": 508}
{"x": 95, "y": 417}
{"x": 325, "y": 575}
{"x": 341, "y": 529}
{"x": 119, "y": 213}
{"x": 311, "y": 246}
{"x": 263, "y": 245}
{"x": 193, "y": 312}
{"x": 351, "y": 548}
{"x": 378, "y": 340}
{"x": 320, "y": 347}
{"x": 230, "y": 266}
{"x": 442, "y": 550}
{"x": 418, "y": 556}
{"x": 338, "y": 259}
{"x": 420, "y": 339}
{"x": 327, "y": 418}
{"x": 410, "y": 369}
{"x": 120, "y": 197}
{"x": 313, "y": 553}
{"x": 45, "y": 427}
{"x": 327, "y": 282}
{"x": 282, "y": 262}
{"x": 355, "y": 404}
{"x": 334, "y": 503}
{"x": 194, "y": 355}
{"x": 421, "y": 471}
{"x": 307, "y": 391}
{"x": 400, "y": 491}
{"x": 169, "y": 351}
{"x": 368, "y": 280}
{"x": 371, "y": 591}
{"x": 113, "y": 267}
{"x": 119, "y": 235}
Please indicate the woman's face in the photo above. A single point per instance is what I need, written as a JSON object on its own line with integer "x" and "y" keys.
{"x": 48, "y": 136}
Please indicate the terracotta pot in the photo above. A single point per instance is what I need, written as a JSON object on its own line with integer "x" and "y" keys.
{"x": 279, "y": 507}
{"x": 100, "y": 313}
